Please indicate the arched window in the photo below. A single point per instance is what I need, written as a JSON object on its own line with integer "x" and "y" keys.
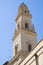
{"x": 25, "y": 11}
{"x": 29, "y": 47}
{"x": 26, "y": 25}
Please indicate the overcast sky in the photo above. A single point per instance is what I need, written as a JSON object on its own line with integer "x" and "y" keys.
{"x": 8, "y": 13}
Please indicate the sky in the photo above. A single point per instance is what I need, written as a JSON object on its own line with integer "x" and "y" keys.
{"x": 8, "y": 13}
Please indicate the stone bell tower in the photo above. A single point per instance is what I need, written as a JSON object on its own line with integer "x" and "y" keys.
{"x": 25, "y": 36}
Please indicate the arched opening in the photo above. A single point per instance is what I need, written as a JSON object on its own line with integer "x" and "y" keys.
{"x": 26, "y": 25}
{"x": 29, "y": 47}
{"x": 25, "y": 11}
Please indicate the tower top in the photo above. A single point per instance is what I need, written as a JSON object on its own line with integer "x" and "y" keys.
{"x": 23, "y": 10}
{"x": 23, "y": 5}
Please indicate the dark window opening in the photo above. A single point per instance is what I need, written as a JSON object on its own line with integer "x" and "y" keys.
{"x": 18, "y": 26}
{"x": 25, "y": 11}
{"x": 29, "y": 47}
{"x": 16, "y": 49}
{"x": 26, "y": 25}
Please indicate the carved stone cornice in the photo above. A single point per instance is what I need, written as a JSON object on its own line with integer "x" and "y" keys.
{"x": 25, "y": 31}
{"x": 21, "y": 14}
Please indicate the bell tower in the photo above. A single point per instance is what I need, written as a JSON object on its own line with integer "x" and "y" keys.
{"x": 25, "y": 36}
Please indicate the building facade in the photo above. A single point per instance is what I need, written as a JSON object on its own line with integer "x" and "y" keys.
{"x": 26, "y": 50}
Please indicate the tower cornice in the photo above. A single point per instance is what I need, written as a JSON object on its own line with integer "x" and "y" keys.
{"x": 25, "y": 31}
{"x": 29, "y": 16}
